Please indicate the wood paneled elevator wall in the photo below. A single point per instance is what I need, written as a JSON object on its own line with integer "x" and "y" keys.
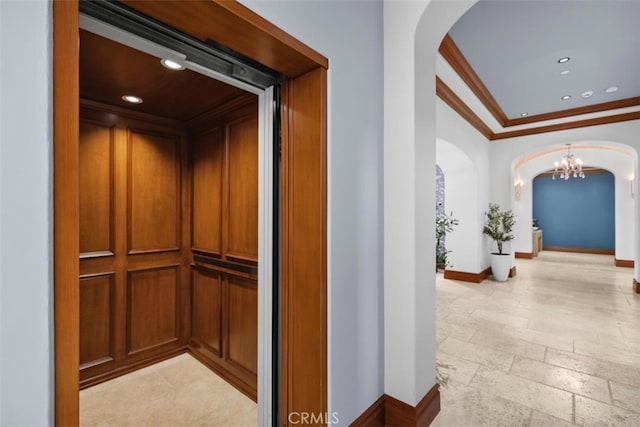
{"x": 168, "y": 240}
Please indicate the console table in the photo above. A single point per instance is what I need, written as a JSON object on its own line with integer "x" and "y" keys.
{"x": 537, "y": 242}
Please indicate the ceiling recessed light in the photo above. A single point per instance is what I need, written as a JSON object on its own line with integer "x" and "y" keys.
{"x": 524, "y": 114}
{"x": 172, "y": 65}
{"x": 564, "y": 72}
{"x": 132, "y": 99}
{"x": 611, "y": 89}
{"x": 587, "y": 94}
{"x": 566, "y": 97}
{"x": 563, "y": 60}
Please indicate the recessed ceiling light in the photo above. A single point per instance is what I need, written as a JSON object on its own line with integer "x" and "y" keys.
{"x": 132, "y": 99}
{"x": 524, "y": 114}
{"x": 587, "y": 94}
{"x": 611, "y": 89}
{"x": 566, "y": 97}
{"x": 172, "y": 65}
{"x": 564, "y": 72}
{"x": 563, "y": 60}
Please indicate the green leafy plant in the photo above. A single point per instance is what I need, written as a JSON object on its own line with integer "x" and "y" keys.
{"x": 445, "y": 224}
{"x": 499, "y": 225}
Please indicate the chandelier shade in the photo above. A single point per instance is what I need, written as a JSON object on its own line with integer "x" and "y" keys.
{"x": 568, "y": 167}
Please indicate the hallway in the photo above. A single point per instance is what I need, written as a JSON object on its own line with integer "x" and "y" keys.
{"x": 557, "y": 345}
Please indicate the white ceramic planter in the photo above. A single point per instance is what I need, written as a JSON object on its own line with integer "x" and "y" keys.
{"x": 500, "y": 266}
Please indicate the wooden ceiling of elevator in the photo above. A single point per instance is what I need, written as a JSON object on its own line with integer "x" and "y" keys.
{"x": 109, "y": 70}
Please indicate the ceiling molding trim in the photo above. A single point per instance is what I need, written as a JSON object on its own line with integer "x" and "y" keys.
{"x": 445, "y": 93}
{"x": 596, "y": 108}
{"x": 113, "y": 111}
{"x": 569, "y": 125}
{"x": 233, "y": 104}
{"x": 586, "y": 171}
{"x": 450, "y": 52}
{"x": 449, "y": 97}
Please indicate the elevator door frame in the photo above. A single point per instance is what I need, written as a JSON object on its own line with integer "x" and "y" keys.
{"x": 268, "y": 222}
{"x": 304, "y": 167}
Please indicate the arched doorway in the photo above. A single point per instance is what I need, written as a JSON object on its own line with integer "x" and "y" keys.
{"x": 413, "y": 32}
{"x": 461, "y": 201}
{"x": 412, "y": 35}
{"x": 619, "y": 159}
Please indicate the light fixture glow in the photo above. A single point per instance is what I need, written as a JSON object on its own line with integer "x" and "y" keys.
{"x": 518, "y": 189}
{"x": 570, "y": 166}
{"x": 563, "y": 60}
{"x": 172, "y": 65}
{"x": 587, "y": 94}
{"x": 132, "y": 99}
{"x": 564, "y": 72}
{"x": 524, "y": 114}
{"x": 566, "y": 97}
{"x": 611, "y": 89}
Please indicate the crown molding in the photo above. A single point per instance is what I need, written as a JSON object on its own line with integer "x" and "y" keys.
{"x": 447, "y": 95}
{"x": 596, "y": 108}
{"x": 450, "y": 98}
{"x": 452, "y": 54}
{"x": 568, "y": 125}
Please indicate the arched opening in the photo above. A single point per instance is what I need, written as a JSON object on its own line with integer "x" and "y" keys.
{"x": 460, "y": 201}
{"x": 415, "y": 31}
{"x": 618, "y": 159}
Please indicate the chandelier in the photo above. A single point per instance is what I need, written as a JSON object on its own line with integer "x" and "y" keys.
{"x": 568, "y": 167}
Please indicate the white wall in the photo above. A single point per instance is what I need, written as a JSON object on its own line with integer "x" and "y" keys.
{"x": 25, "y": 215}
{"x": 413, "y": 31}
{"x": 460, "y": 201}
{"x": 349, "y": 33}
{"x": 466, "y": 188}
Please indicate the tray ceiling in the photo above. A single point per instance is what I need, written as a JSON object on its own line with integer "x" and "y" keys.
{"x": 514, "y": 48}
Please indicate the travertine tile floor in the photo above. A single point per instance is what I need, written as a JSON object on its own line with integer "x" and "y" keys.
{"x": 177, "y": 392}
{"x": 557, "y": 345}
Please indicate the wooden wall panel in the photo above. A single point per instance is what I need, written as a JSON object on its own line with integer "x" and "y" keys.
{"x": 304, "y": 245}
{"x": 225, "y": 226}
{"x": 242, "y": 182}
{"x": 206, "y": 309}
{"x": 66, "y": 215}
{"x": 96, "y": 189}
{"x": 140, "y": 161}
{"x": 96, "y": 319}
{"x": 207, "y": 150}
{"x": 152, "y": 308}
{"x": 153, "y": 192}
{"x": 242, "y": 326}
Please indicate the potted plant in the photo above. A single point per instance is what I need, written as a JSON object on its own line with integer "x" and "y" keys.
{"x": 499, "y": 225}
{"x": 444, "y": 225}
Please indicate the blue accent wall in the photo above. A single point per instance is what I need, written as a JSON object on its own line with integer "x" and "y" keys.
{"x": 577, "y": 213}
